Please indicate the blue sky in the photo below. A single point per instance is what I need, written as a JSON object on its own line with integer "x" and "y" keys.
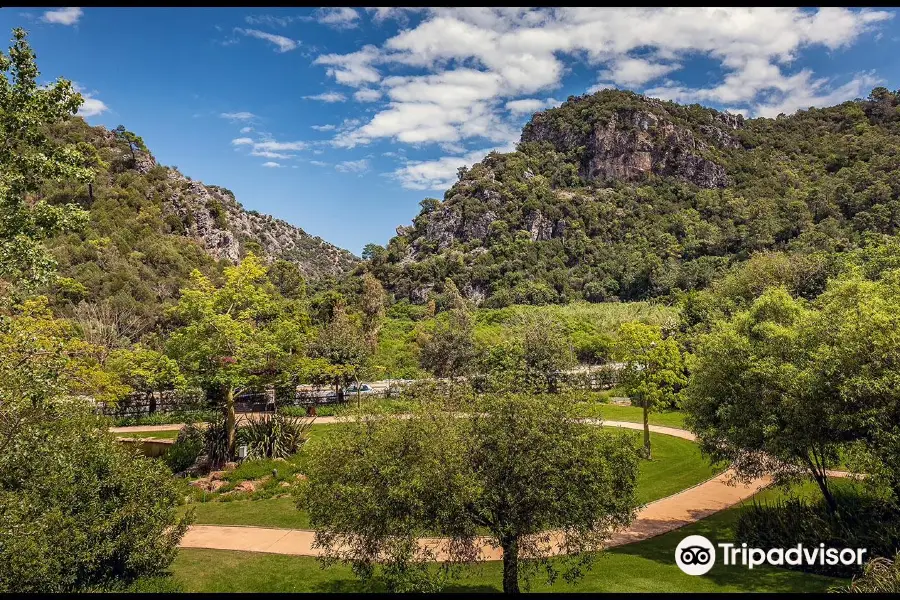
{"x": 341, "y": 121}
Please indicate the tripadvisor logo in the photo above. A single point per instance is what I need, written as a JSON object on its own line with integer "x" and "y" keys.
{"x": 696, "y": 555}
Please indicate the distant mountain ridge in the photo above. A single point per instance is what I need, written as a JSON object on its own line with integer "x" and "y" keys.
{"x": 616, "y": 196}
{"x": 150, "y": 225}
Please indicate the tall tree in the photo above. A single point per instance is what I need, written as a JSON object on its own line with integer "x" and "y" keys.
{"x": 372, "y": 309}
{"x": 775, "y": 392}
{"x": 27, "y": 160}
{"x": 341, "y": 350}
{"x": 134, "y": 141}
{"x": 524, "y": 469}
{"x": 232, "y": 337}
{"x": 547, "y": 352}
{"x": 654, "y": 370}
{"x": 448, "y": 350}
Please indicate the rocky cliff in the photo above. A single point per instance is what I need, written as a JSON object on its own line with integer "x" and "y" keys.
{"x": 616, "y": 196}
{"x": 213, "y": 217}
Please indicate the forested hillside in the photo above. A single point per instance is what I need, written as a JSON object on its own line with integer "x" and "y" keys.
{"x": 150, "y": 226}
{"x": 615, "y": 196}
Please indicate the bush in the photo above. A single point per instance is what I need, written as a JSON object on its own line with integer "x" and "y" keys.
{"x": 215, "y": 442}
{"x": 81, "y": 512}
{"x": 275, "y": 436}
{"x": 167, "y": 418}
{"x": 880, "y": 575}
{"x": 187, "y": 447}
{"x": 861, "y": 522}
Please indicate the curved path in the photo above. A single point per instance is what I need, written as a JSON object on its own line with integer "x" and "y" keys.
{"x": 653, "y": 519}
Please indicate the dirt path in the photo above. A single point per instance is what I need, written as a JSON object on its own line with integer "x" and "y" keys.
{"x": 658, "y": 517}
{"x": 661, "y": 516}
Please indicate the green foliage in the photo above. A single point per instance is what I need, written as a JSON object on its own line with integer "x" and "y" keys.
{"x": 880, "y": 576}
{"x": 371, "y": 494}
{"x": 791, "y": 521}
{"x": 28, "y": 158}
{"x": 448, "y": 349}
{"x": 275, "y": 436}
{"x": 528, "y": 227}
{"x": 79, "y": 511}
{"x": 187, "y": 447}
{"x": 235, "y": 336}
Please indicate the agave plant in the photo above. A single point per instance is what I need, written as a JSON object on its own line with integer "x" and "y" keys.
{"x": 215, "y": 442}
{"x": 275, "y": 436}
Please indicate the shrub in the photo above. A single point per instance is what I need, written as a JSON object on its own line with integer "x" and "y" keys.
{"x": 880, "y": 575}
{"x": 785, "y": 523}
{"x": 81, "y": 512}
{"x": 215, "y": 442}
{"x": 187, "y": 447}
{"x": 275, "y": 436}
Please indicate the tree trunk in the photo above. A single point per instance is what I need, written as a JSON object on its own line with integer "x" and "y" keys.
{"x": 646, "y": 404}
{"x": 510, "y": 566}
{"x": 822, "y": 481}
{"x": 230, "y": 419}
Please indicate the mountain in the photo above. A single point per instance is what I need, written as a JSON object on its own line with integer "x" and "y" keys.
{"x": 617, "y": 196}
{"x": 150, "y": 225}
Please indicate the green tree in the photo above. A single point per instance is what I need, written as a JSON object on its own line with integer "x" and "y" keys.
{"x": 524, "y": 470}
{"x": 653, "y": 370}
{"x": 341, "y": 348}
{"x": 763, "y": 391}
{"x": 547, "y": 352}
{"x": 448, "y": 350}
{"x": 134, "y": 141}
{"x": 27, "y": 160}
{"x": 78, "y": 511}
{"x": 146, "y": 371}
{"x": 286, "y": 276}
{"x": 232, "y": 338}
{"x": 372, "y": 309}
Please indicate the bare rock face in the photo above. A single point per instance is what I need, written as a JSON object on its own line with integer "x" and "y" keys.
{"x": 631, "y": 144}
{"x": 213, "y": 217}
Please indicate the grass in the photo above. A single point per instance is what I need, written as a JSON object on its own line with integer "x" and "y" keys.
{"x": 631, "y": 414}
{"x": 647, "y": 566}
{"x": 676, "y": 465}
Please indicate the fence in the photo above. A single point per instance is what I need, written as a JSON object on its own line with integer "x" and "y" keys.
{"x": 597, "y": 378}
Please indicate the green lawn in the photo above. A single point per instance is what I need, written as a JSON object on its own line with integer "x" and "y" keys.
{"x": 647, "y": 566}
{"x": 632, "y": 414}
{"x": 676, "y": 465}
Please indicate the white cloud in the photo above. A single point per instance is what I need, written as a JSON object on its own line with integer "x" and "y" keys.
{"x": 353, "y": 166}
{"x": 323, "y": 127}
{"x": 439, "y": 174}
{"x": 328, "y": 97}
{"x": 91, "y": 107}
{"x": 63, "y": 16}
{"x": 470, "y": 71}
{"x": 270, "y": 20}
{"x": 270, "y": 154}
{"x": 276, "y": 146}
{"x": 246, "y": 129}
{"x": 282, "y": 43}
{"x": 354, "y": 69}
{"x": 271, "y": 164}
{"x": 342, "y": 18}
{"x": 529, "y": 105}
{"x": 241, "y": 141}
{"x": 238, "y": 116}
{"x": 319, "y": 163}
{"x": 634, "y": 72}
{"x": 367, "y": 95}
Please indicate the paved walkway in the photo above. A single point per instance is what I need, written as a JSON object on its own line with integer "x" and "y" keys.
{"x": 655, "y": 518}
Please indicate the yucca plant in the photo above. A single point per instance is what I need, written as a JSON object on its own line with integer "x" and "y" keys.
{"x": 215, "y": 442}
{"x": 275, "y": 436}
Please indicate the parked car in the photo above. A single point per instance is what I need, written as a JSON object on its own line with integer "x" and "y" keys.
{"x": 350, "y": 391}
